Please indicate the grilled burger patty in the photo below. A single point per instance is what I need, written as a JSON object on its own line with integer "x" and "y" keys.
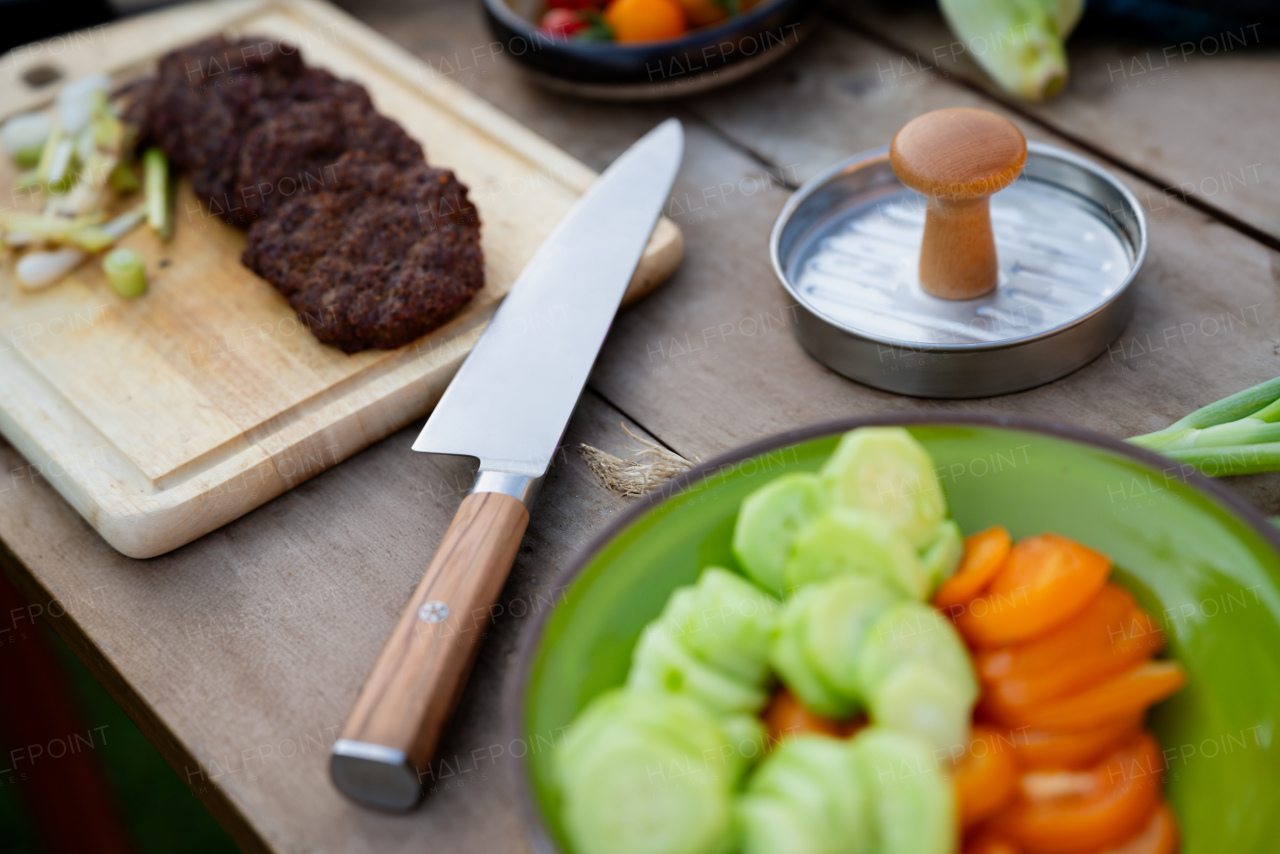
{"x": 295, "y": 150}
{"x": 376, "y": 257}
{"x": 209, "y": 99}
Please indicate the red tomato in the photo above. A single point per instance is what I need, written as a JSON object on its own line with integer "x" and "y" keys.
{"x": 562, "y": 22}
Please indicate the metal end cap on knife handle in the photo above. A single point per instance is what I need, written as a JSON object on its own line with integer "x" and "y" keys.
{"x": 374, "y": 775}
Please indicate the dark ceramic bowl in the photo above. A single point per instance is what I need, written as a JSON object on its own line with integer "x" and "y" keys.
{"x": 1201, "y": 560}
{"x": 699, "y": 60}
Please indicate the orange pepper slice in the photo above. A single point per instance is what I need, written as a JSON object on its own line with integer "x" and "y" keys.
{"x": 990, "y": 843}
{"x": 1037, "y": 749}
{"x": 1096, "y": 625}
{"x": 1068, "y": 812}
{"x": 985, "y": 777}
{"x": 1160, "y": 836}
{"x": 984, "y": 553}
{"x": 1047, "y": 580}
{"x": 1122, "y": 696}
{"x": 1090, "y": 665}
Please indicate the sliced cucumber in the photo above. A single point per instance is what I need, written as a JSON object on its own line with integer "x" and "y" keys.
{"x": 746, "y": 742}
{"x": 796, "y": 669}
{"x": 918, "y": 699}
{"x": 666, "y": 717}
{"x": 942, "y": 555}
{"x": 817, "y": 778}
{"x": 883, "y": 470}
{"x": 911, "y": 631}
{"x": 852, "y": 542}
{"x": 623, "y": 802}
{"x": 836, "y": 622}
{"x": 769, "y": 521}
{"x": 661, "y": 663}
{"x": 725, "y": 620}
{"x": 769, "y": 825}
{"x": 913, "y": 810}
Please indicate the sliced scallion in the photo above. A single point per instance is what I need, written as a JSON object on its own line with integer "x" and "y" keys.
{"x": 155, "y": 168}
{"x": 126, "y": 272}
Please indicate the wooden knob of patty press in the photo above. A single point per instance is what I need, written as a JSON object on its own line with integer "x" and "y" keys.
{"x": 957, "y": 158}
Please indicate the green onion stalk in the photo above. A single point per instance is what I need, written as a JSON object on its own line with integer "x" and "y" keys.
{"x": 159, "y": 203}
{"x": 1019, "y": 43}
{"x": 1239, "y": 434}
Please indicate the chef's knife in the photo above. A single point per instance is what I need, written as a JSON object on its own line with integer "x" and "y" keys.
{"x": 508, "y": 406}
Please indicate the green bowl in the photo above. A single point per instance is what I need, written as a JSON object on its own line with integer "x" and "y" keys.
{"x": 1205, "y": 563}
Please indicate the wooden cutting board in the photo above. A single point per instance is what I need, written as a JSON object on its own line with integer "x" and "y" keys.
{"x": 162, "y": 418}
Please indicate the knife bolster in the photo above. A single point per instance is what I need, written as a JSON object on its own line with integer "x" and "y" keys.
{"x": 521, "y": 487}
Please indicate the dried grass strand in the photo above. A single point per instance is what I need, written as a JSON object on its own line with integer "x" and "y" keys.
{"x": 654, "y": 465}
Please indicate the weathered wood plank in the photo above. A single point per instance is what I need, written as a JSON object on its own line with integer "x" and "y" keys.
{"x": 1198, "y": 118}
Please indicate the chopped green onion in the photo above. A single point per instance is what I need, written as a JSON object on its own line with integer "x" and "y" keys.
{"x": 1239, "y": 434}
{"x": 46, "y": 157}
{"x": 155, "y": 168}
{"x": 24, "y": 137}
{"x": 126, "y": 272}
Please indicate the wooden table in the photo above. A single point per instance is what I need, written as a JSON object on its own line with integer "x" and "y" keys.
{"x": 240, "y": 654}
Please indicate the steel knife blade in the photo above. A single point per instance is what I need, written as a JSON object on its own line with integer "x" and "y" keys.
{"x": 512, "y": 397}
{"x": 508, "y": 405}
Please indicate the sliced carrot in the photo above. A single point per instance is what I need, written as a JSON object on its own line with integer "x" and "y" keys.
{"x": 1090, "y": 665}
{"x": 985, "y": 777}
{"x": 1046, "y": 580}
{"x": 1160, "y": 836}
{"x": 1066, "y": 812}
{"x": 990, "y": 843}
{"x": 785, "y": 717}
{"x": 984, "y": 553}
{"x": 1122, "y": 696}
{"x": 1037, "y": 749}
{"x": 1097, "y": 625}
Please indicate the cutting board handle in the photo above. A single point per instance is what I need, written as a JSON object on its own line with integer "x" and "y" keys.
{"x": 390, "y": 738}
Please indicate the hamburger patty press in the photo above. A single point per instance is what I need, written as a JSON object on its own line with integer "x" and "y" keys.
{"x": 961, "y": 261}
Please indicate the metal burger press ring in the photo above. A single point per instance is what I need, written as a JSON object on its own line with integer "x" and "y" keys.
{"x": 960, "y": 261}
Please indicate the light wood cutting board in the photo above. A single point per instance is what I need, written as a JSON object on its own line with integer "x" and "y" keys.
{"x": 162, "y": 418}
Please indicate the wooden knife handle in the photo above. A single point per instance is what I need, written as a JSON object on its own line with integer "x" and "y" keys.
{"x": 390, "y": 738}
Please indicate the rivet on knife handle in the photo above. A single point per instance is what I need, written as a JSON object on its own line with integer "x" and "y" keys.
{"x": 392, "y": 733}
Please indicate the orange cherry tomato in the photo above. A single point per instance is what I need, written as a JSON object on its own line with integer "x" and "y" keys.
{"x": 1046, "y": 580}
{"x": 990, "y": 843}
{"x": 1036, "y": 749}
{"x": 645, "y": 20}
{"x": 1121, "y": 696}
{"x": 1068, "y": 812}
{"x": 1096, "y": 626}
{"x": 785, "y": 717}
{"x": 985, "y": 777}
{"x": 1160, "y": 836}
{"x": 1089, "y": 666}
{"x": 984, "y": 554}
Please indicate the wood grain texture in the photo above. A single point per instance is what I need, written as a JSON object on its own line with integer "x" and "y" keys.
{"x": 410, "y": 695}
{"x": 170, "y": 415}
{"x": 257, "y": 637}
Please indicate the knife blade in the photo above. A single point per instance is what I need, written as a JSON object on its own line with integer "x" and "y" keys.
{"x": 508, "y": 406}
